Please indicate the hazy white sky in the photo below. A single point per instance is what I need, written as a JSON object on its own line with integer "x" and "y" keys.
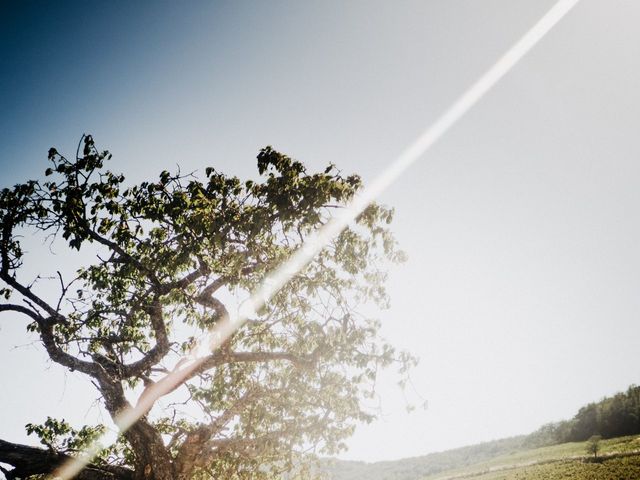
{"x": 521, "y": 226}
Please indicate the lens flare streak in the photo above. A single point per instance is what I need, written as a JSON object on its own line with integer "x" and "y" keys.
{"x": 321, "y": 238}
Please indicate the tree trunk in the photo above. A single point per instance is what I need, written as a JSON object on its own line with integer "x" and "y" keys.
{"x": 152, "y": 459}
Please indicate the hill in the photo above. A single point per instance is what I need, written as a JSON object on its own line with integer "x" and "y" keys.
{"x": 556, "y": 448}
{"x": 619, "y": 459}
{"x": 422, "y": 466}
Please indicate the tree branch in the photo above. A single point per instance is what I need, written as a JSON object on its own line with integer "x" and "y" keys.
{"x": 27, "y": 461}
{"x": 114, "y": 247}
{"x": 9, "y": 307}
{"x": 185, "y": 281}
{"x": 60, "y": 356}
{"x": 160, "y": 349}
{"x": 191, "y": 451}
{"x": 27, "y": 293}
{"x": 48, "y": 339}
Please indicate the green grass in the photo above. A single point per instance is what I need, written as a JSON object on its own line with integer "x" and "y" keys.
{"x": 627, "y": 468}
{"x": 565, "y": 461}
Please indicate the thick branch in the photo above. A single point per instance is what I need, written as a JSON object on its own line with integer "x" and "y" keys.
{"x": 180, "y": 375}
{"x": 9, "y": 307}
{"x": 185, "y": 281}
{"x": 144, "y": 438}
{"x": 190, "y": 453}
{"x": 60, "y": 356}
{"x": 114, "y": 247}
{"x": 48, "y": 339}
{"x": 214, "y": 286}
{"x": 10, "y": 280}
{"x": 160, "y": 349}
{"x": 219, "y": 358}
{"x": 27, "y": 461}
{"x": 207, "y": 300}
{"x": 26, "y": 292}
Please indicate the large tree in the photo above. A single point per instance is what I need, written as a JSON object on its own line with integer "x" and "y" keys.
{"x": 169, "y": 259}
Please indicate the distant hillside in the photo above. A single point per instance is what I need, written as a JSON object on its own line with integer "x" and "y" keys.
{"x": 611, "y": 417}
{"x": 619, "y": 459}
{"x": 420, "y": 467}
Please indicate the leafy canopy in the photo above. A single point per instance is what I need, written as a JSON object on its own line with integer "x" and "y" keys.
{"x": 172, "y": 257}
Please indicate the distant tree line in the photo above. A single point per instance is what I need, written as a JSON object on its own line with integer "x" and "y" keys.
{"x": 611, "y": 417}
{"x": 614, "y": 416}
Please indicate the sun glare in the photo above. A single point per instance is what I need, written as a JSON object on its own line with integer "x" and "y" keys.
{"x": 317, "y": 241}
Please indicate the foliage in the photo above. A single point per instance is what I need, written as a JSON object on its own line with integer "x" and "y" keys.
{"x": 58, "y": 435}
{"x": 172, "y": 256}
{"x": 611, "y": 417}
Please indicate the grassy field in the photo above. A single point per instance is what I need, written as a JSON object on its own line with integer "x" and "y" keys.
{"x": 505, "y": 459}
{"x": 619, "y": 460}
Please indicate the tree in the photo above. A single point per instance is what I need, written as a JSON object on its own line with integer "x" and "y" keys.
{"x": 171, "y": 256}
{"x": 593, "y": 445}
{"x": 585, "y": 423}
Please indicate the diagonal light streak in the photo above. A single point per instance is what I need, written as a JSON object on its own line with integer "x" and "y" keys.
{"x": 322, "y": 237}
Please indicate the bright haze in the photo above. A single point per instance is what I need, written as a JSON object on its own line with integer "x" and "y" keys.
{"x": 522, "y": 226}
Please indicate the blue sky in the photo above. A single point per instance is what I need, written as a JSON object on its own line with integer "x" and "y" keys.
{"x": 520, "y": 294}
{"x": 78, "y": 66}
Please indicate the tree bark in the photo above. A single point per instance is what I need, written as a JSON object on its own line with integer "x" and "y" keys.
{"x": 152, "y": 459}
{"x": 27, "y": 461}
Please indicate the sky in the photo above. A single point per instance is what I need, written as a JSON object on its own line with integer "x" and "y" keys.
{"x": 520, "y": 295}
